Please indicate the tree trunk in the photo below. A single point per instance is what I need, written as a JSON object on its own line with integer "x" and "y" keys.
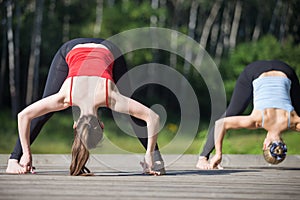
{"x": 174, "y": 36}
{"x": 99, "y": 15}
{"x": 3, "y": 59}
{"x": 235, "y": 25}
{"x": 188, "y": 51}
{"x": 191, "y": 33}
{"x": 17, "y": 56}
{"x": 51, "y": 12}
{"x": 288, "y": 20}
{"x": 154, "y": 18}
{"x": 34, "y": 59}
{"x": 275, "y": 16}
{"x": 209, "y": 22}
{"x": 162, "y": 16}
{"x": 285, "y": 16}
{"x": 214, "y": 38}
{"x": 153, "y": 23}
{"x": 66, "y": 22}
{"x": 257, "y": 28}
{"x": 223, "y": 41}
{"x": 11, "y": 58}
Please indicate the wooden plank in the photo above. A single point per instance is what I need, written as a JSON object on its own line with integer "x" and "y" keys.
{"x": 119, "y": 177}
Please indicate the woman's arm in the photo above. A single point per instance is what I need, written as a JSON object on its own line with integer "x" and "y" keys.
{"x": 49, "y": 104}
{"x": 227, "y": 123}
{"x": 122, "y": 104}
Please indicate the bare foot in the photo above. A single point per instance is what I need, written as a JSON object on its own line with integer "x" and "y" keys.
{"x": 13, "y": 167}
{"x": 220, "y": 167}
{"x": 203, "y": 163}
{"x": 147, "y": 170}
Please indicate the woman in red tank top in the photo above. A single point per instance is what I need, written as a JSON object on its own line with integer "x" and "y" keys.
{"x": 88, "y": 85}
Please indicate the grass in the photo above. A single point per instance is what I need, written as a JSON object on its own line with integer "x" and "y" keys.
{"x": 57, "y": 136}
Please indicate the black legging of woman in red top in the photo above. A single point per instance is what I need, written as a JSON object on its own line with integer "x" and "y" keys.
{"x": 243, "y": 93}
{"x": 58, "y": 73}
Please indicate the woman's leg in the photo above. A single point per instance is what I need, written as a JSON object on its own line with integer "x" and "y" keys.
{"x": 57, "y": 74}
{"x": 295, "y": 94}
{"x": 128, "y": 106}
{"x": 239, "y": 101}
{"x": 139, "y": 126}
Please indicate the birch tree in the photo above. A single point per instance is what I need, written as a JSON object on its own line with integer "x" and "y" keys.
{"x": 191, "y": 27}
{"x": 3, "y": 57}
{"x": 17, "y": 56}
{"x": 235, "y": 25}
{"x": 257, "y": 28}
{"x": 34, "y": 59}
{"x": 11, "y": 57}
{"x": 155, "y": 53}
{"x": 99, "y": 16}
{"x": 223, "y": 40}
{"x": 162, "y": 16}
{"x": 209, "y": 22}
{"x": 284, "y": 21}
{"x": 66, "y": 22}
{"x": 275, "y": 16}
{"x": 174, "y": 35}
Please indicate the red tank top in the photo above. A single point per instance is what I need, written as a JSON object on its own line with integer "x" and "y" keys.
{"x": 88, "y": 61}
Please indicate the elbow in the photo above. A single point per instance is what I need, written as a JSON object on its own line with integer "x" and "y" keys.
{"x": 220, "y": 127}
{"x": 298, "y": 127}
{"x": 155, "y": 118}
{"x": 223, "y": 124}
{"x": 22, "y": 116}
{"x": 219, "y": 124}
{"x": 154, "y": 121}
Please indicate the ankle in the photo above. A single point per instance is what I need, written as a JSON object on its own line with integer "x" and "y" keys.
{"x": 203, "y": 158}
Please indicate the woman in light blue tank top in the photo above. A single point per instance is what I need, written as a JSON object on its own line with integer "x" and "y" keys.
{"x": 273, "y": 111}
{"x": 242, "y": 96}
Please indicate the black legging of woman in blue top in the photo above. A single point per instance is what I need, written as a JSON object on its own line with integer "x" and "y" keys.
{"x": 58, "y": 72}
{"x": 243, "y": 93}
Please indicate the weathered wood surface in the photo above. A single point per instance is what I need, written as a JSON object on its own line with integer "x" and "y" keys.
{"x": 119, "y": 177}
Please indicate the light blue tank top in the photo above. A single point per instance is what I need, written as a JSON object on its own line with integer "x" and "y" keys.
{"x": 272, "y": 92}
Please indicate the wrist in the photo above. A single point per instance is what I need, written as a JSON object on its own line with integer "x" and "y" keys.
{"x": 148, "y": 151}
{"x": 26, "y": 151}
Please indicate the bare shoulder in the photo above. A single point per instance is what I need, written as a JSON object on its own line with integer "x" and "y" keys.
{"x": 114, "y": 94}
{"x": 256, "y": 115}
{"x": 63, "y": 95}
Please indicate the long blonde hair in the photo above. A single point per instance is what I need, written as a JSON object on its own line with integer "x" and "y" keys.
{"x": 87, "y": 135}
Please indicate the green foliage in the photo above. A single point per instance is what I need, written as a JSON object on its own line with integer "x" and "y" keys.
{"x": 8, "y": 132}
{"x": 125, "y": 15}
{"x": 267, "y": 48}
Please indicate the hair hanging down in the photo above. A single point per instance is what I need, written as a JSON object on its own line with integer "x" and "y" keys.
{"x": 275, "y": 153}
{"x": 87, "y": 135}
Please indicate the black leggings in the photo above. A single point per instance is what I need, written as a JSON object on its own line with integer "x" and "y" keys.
{"x": 243, "y": 93}
{"x": 58, "y": 73}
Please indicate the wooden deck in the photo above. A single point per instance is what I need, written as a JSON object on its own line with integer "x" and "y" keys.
{"x": 119, "y": 177}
